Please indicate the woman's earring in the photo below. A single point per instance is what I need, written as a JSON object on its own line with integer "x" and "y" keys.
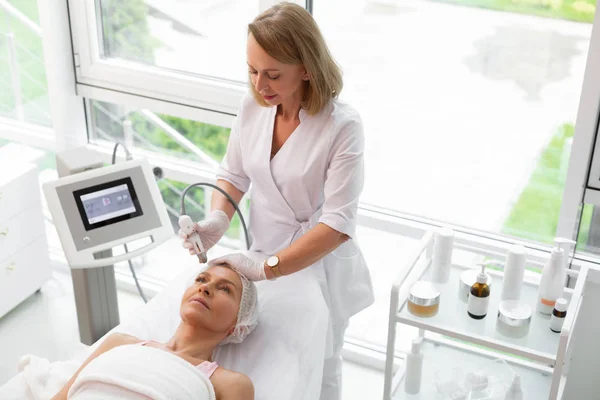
{"x": 305, "y": 77}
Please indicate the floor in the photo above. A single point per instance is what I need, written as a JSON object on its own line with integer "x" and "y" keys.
{"x": 45, "y": 325}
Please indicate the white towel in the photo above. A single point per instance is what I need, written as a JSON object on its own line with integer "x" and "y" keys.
{"x": 135, "y": 372}
{"x": 38, "y": 379}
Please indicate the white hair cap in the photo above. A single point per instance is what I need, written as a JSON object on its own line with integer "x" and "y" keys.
{"x": 247, "y": 318}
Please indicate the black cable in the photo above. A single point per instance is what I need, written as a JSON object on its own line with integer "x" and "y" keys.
{"x": 137, "y": 283}
{"x": 127, "y": 153}
{"x": 233, "y": 203}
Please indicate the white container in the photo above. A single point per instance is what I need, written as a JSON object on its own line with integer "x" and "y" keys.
{"x": 514, "y": 269}
{"x": 442, "y": 255}
{"x": 414, "y": 368}
{"x": 553, "y": 281}
{"x": 514, "y": 318}
{"x": 514, "y": 391}
{"x": 423, "y": 299}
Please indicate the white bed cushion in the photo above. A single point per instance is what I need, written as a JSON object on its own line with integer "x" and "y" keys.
{"x": 283, "y": 356}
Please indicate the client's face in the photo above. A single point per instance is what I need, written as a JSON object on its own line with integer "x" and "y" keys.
{"x": 213, "y": 300}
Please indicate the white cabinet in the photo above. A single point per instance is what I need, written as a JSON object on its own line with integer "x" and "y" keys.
{"x": 24, "y": 260}
{"x": 453, "y": 339}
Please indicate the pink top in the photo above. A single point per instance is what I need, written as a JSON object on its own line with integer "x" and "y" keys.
{"x": 208, "y": 368}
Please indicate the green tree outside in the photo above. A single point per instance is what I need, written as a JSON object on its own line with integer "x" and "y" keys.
{"x": 125, "y": 30}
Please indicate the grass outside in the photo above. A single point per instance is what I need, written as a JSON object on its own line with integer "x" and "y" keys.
{"x": 573, "y": 10}
{"x": 535, "y": 213}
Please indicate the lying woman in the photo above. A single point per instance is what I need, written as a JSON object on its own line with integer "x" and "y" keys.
{"x": 220, "y": 307}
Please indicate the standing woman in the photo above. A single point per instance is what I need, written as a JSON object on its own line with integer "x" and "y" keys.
{"x": 302, "y": 150}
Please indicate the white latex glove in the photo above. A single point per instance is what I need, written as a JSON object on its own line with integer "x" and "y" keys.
{"x": 210, "y": 231}
{"x": 253, "y": 270}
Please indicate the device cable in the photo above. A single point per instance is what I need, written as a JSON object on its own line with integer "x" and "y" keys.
{"x": 233, "y": 203}
{"x": 137, "y": 283}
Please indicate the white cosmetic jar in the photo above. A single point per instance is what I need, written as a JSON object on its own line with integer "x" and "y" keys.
{"x": 423, "y": 299}
{"x": 514, "y": 318}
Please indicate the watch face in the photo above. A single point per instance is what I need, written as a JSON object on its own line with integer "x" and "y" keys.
{"x": 272, "y": 261}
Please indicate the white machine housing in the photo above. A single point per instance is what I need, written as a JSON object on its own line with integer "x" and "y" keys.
{"x": 85, "y": 241}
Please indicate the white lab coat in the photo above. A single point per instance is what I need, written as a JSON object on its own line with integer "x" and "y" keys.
{"x": 316, "y": 176}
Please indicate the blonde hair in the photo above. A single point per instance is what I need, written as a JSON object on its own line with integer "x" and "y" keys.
{"x": 289, "y": 34}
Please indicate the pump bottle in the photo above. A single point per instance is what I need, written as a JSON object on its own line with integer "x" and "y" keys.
{"x": 553, "y": 276}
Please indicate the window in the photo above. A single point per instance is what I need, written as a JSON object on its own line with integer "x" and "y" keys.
{"x": 187, "y": 53}
{"x": 23, "y": 87}
{"x": 169, "y": 136}
{"x": 199, "y": 37}
{"x": 468, "y": 111}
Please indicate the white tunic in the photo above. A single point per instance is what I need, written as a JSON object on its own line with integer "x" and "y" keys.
{"x": 316, "y": 176}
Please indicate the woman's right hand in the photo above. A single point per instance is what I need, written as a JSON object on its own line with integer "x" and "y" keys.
{"x": 210, "y": 231}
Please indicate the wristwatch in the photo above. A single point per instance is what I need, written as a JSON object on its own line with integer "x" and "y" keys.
{"x": 273, "y": 263}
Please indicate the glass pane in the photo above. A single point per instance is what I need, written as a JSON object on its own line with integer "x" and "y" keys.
{"x": 176, "y": 137}
{"x": 468, "y": 105}
{"x": 588, "y": 237}
{"x": 200, "y": 37}
{"x": 23, "y": 87}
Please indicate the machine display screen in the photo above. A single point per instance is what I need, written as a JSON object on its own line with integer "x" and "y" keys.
{"x": 107, "y": 203}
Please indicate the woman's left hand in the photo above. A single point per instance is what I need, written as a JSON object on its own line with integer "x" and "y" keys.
{"x": 253, "y": 270}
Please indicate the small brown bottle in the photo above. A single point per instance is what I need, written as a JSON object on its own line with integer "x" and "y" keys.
{"x": 558, "y": 315}
{"x": 479, "y": 297}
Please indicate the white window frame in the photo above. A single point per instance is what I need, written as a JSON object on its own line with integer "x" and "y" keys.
{"x": 583, "y": 170}
{"x": 120, "y": 76}
{"x": 27, "y": 133}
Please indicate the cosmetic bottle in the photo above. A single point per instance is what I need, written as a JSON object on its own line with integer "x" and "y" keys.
{"x": 479, "y": 299}
{"x": 467, "y": 279}
{"x": 514, "y": 269}
{"x": 554, "y": 275}
{"x": 552, "y": 282}
{"x": 558, "y": 315}
{"x": 514, "y": 391}
{"x": 414, "y": 367}
{"x": 442, "y": 255}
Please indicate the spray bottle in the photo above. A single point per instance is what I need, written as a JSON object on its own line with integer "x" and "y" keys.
{"x": 554, "y": 276}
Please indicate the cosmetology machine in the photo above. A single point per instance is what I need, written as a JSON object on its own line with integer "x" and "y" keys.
{"x": 96, "y": 209}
